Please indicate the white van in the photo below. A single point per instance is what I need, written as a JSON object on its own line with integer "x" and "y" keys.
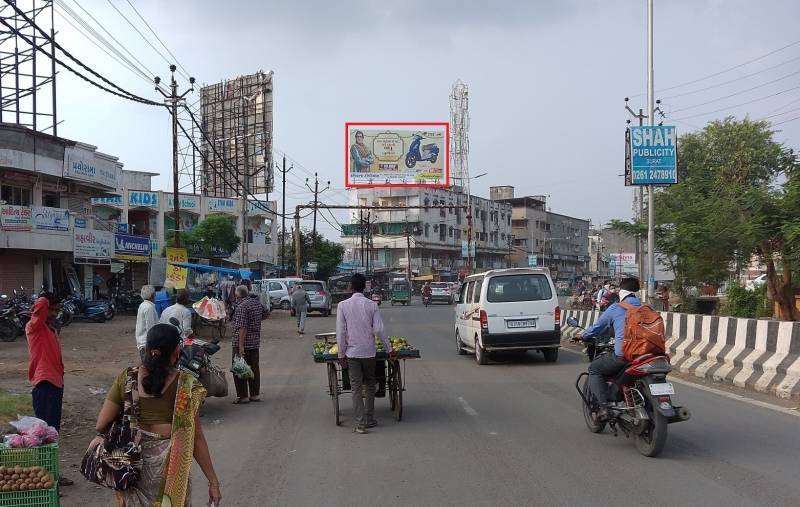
{"x": 508, "y": 309}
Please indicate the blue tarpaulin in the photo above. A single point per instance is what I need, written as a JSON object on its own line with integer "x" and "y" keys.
{"x": 204, "y": 268}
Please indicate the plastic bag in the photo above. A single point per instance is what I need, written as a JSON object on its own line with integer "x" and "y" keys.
{"x": 26, "y": 423}
{"x": 33, "y": 432}
{"x": 241, "y": 369}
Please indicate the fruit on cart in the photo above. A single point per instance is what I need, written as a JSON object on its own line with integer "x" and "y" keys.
{"x": 334, "y": 350}
{"x": 319, "y": 348}
{"x": 24, "y": 478}
{"x": 399, "y": 343}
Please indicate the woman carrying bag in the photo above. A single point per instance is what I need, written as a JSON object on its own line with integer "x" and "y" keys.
{"x": 160, "y": 406}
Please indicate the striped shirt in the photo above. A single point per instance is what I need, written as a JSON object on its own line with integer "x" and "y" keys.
{"x": 247, "y": 315}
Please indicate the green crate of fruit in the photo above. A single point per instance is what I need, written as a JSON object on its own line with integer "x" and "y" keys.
{"x": 46, "y": 457}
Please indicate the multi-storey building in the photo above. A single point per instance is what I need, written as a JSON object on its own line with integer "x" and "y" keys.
{"x": 433, "y": 238}
{"x": 551, "y": 239}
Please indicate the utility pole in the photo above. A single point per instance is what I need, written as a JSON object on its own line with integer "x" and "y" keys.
{"x": 283, "y": 171}
{"x": 408, "y": 250}
{"x": 651, "y": 237}
{"x": 640, "y": 211}
{"x": 316, "y": 191}
{"x": 296, "y": 237}
{"x": 172, "y": 100}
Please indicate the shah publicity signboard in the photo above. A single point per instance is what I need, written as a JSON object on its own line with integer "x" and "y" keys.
{"x": 397, "y": 154}
{"x": 653, "y": 155}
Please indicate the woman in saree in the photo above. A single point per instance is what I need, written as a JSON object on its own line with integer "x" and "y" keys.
{"x": 159, "y": 384}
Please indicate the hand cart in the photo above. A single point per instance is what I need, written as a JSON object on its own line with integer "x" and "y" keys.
{"x": 394, "y": 373}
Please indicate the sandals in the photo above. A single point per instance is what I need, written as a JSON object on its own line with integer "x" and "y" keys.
{"x": 241, "y": 401}
{"x": 255, "y": 400}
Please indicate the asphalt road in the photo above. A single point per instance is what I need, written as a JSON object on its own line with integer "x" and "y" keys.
{"x": 509, "y": 433}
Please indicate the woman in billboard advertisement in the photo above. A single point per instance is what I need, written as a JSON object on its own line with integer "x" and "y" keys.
{"x": 360, "y": 154}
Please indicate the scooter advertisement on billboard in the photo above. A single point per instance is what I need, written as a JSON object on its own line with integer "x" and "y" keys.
{"x": 397, "y": 154}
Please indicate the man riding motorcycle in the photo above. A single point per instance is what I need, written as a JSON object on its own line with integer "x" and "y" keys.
{"x": 608, "y": 365}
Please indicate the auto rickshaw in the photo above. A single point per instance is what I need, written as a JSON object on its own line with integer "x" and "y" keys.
{"x": 401, "y": 291}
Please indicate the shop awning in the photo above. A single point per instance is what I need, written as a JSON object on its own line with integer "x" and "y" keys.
{"x": 423, "y": 278}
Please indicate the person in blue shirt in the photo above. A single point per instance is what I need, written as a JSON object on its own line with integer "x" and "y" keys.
{"x": 608, "y": 365}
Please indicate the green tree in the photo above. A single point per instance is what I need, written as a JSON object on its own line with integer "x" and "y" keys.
{"x": 328, "y": 253}
{"x": 210, "y": 237}
{"x": 737, "y": 197}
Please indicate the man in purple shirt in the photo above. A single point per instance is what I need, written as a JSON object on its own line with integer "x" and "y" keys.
{"x": 358, "y": 322}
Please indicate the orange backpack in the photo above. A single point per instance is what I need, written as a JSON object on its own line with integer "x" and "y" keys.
{"x": 644, "y": 332}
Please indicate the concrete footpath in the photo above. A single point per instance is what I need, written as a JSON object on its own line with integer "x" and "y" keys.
{"x": 762, "y": 355}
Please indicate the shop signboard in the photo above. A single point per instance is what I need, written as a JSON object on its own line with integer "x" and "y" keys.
{"x": 175, "y": 274}
{"x": 532, "y": 261}
{"x": 142, "y": 199}
{"x": 114, "y": 200}
{"x": 221, "y": 204}
{"x": 15, "y": 218}
{"x": 185, "y": 201}
{"x": 624, "y": 263}
{"x": 84, "y": 165}
{"x": 122, "y": 228}
{"x": 397, "y": 154}
{"x": 80, "y": 222}
{"x": 132, "y": 248}
{"x": 50, "y": 219}
{"x": 93, "y": 244}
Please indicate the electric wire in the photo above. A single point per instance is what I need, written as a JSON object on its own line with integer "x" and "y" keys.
{"x": 725, "y": 71}
{"x": 167, "y": 60}
{"x": 122, "y": 92}
{"x": 158, "y": 38}
{"x": 76, "y": 16}
{"x": 736, "y": 93}
{"x": 765, "y": 97}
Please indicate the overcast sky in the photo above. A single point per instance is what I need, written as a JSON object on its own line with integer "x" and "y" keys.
{"x": 546, "y": 80}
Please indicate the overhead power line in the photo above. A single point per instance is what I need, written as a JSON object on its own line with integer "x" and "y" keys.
{"x": 167, "y": 60}
{"x": 725, "y": 71}
{"x": 765, "y": 97}
{"x": 746, "y": 76}
{"x": 736, "y": 93}
{"x": 157, "y": 37}
{"x": 121, "y": 91}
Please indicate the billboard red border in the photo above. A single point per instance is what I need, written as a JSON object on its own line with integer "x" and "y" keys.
{"x": 446, "y": 125}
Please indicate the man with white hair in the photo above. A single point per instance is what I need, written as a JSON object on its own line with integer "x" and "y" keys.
{"x": 246, "y": 340}
{"x": 146, "y": 317}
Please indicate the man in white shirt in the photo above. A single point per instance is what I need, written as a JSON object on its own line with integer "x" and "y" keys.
{"x": 146, "y": 317}
{"x": 180, "y": 310}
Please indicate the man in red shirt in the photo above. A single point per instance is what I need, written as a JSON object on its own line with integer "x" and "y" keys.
{"x": 46, "y": 370}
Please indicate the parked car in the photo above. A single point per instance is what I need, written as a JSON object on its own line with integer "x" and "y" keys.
{"x": 278, "y": 290}
{"x": 508, "y": 309}
{"x": 319, "y": 295}
{"x": 440, "y": 291}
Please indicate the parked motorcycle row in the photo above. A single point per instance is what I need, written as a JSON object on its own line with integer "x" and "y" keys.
{"x": 15, "y": 312}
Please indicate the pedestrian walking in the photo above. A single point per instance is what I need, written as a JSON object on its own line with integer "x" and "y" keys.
{"x": 97, "y": 281}
{"x": 300, "y": 302}
{"x": 246, "y": 341}
{"x": 146, "y": 317}
{"x": 180, "y": 310}
{"x": 46, "y": 367}
{"x": 358, "y": 322}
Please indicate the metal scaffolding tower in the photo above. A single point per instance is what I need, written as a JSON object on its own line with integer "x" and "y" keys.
{"x": 459, "y": 136}
{"x": 237, "y": 119}
{"x": 27, "y": 77}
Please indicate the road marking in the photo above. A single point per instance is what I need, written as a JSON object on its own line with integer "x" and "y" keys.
{"x": 471, "y": 411}
{"x": 725, "y": 394}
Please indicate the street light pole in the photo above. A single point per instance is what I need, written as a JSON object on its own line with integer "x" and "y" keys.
{"x": 650, "y": 196}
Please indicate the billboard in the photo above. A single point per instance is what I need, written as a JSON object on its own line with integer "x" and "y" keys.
{"x": 654, "y": 159}
{"x": 397, "y": 154}
{"x": 623, "y": 263}
{"x": 93, "y": 244}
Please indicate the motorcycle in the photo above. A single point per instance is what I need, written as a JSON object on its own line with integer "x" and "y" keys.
{"x": 126, "y": 301}
{"x": 196, "y": 359}
{"x": 10, "y": 325}
{"x": 426, "y": 300}
{"x": 640, "y": 399}
{"x": 428, "y": 153}
{"x": 95, "y": 310}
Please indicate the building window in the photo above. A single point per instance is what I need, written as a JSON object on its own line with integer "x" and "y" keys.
{"x": 427, "y": 230}
{"x": 16, "y": 196}
{"x": 249, "y": 235}
{"x": 450, "y": 231}
{"x": 458, "y": 216}
{"x": 426, "y": 203}
{"x": 442, "y": 231}
{"x": 442, "y": 211}
{"x": 450, "y": 209}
